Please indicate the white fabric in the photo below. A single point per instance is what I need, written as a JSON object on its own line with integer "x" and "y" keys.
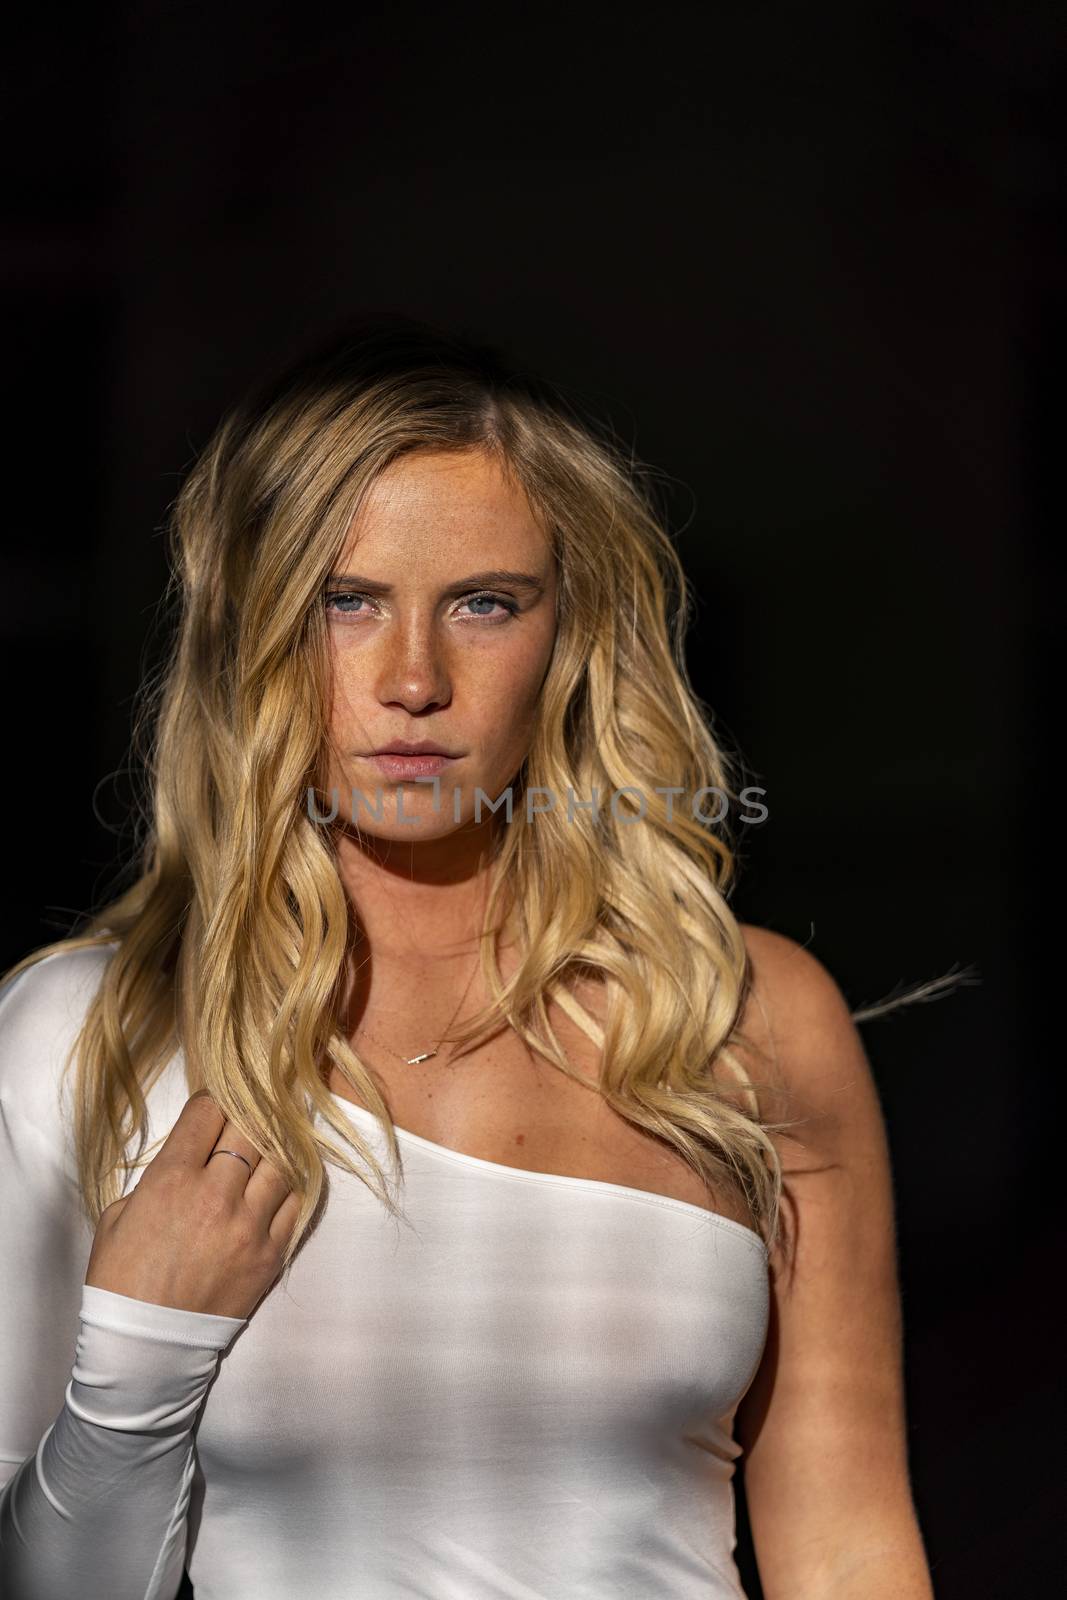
{"x": 526, "y": 1394}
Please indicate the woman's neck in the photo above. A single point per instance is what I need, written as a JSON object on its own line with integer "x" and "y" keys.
{"x": 417, "y": 903}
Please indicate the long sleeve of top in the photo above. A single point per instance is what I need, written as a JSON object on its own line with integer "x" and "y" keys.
{"x": 99, "y": 1393}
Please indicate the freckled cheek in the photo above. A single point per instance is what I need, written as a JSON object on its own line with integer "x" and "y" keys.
{"x": 343, "y": 707}
{"x": 509, "y": 670}
{"x": 504, "y": 698}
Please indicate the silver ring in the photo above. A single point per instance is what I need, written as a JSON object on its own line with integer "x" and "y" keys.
{"x": 245, "y": 1159}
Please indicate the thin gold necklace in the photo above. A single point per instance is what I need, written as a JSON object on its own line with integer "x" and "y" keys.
{"x": 427, "y": 1055}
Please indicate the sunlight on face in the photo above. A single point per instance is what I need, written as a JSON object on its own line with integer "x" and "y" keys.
{"x": 426, "y": 646}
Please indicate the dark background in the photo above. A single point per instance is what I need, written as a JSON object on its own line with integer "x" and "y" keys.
{"x": 806, "y": 263}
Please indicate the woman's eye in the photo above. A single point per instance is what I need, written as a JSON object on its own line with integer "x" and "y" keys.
{"x": 491, "y": 600}
{"x": 346, "y": 603}
{"x": 343, "y": 611}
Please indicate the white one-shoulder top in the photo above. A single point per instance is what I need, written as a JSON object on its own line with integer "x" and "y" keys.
{"x": 526, "y": 1393}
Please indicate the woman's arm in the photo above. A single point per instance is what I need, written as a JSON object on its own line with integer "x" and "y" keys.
{"x": 823, "y": 1424}
{"x": 98, "y": 1392}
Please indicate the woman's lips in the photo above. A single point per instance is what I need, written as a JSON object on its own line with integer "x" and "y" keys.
{"x": 411, "y": 766}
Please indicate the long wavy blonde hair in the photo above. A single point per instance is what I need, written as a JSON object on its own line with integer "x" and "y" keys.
{"x": 233, "y": 940}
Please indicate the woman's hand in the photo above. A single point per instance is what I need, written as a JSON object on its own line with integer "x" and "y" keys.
{"x": 199, "y": 1232}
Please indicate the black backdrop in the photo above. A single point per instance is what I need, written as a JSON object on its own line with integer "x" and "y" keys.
{"x": 806, "y": 262}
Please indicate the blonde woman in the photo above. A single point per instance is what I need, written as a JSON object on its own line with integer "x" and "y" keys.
{"x": 417, "y": 1183}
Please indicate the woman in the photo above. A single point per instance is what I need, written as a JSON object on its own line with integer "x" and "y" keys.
{"x": 433, "y": 883}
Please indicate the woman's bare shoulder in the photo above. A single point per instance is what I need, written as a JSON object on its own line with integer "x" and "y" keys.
{"x": 800, "y": 1024}
{"x": 791, "y": 993}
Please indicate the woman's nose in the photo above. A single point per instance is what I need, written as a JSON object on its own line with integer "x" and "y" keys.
{"x": 413, "y": 671}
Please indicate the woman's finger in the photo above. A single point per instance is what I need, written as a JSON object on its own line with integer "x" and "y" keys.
{"x": 284, "y": 1219}
{"x": 193, "y": 1137}
{"x": 266, "y": 1191}
{"x": 237, "y": 1159}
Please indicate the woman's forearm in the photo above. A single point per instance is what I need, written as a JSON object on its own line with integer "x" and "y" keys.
{"x": 875, "y": 1563}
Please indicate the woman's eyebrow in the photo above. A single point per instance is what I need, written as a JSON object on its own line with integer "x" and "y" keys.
{"x": 497, "y": 578}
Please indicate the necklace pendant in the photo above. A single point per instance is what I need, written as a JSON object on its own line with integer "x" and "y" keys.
{"x": 413, "y": 1061}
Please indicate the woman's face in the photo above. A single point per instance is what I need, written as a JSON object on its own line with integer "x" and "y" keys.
{"x": 441, "y": 617}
